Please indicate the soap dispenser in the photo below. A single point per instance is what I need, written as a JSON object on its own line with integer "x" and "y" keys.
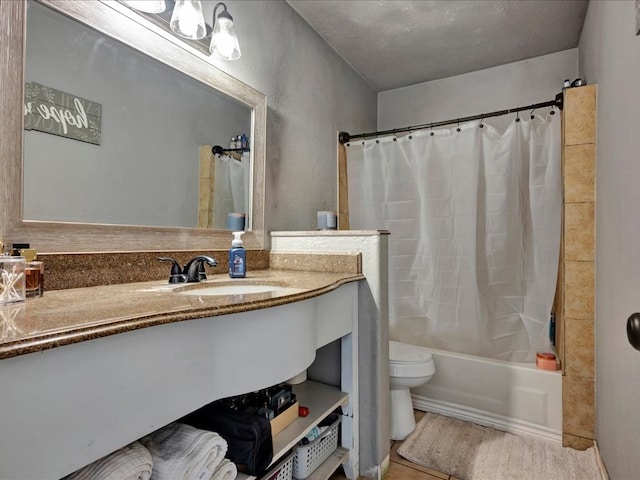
{"x": 237, "y": 257}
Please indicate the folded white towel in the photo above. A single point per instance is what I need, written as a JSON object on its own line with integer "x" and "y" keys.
{"x": 132, "y": 462}
{"x": 182, "y": 452}
{"x": 226, "y": 471}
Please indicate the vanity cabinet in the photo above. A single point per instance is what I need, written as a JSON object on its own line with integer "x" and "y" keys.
{"x": 64, "y": 407}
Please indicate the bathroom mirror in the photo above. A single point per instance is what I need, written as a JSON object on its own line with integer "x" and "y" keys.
{"x": 112, "y": 209}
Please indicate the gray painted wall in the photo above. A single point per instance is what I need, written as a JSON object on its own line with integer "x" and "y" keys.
{"x": 311, "y": 95}
{"x": 610, "y": 56}
{"x": 515, "y": 84}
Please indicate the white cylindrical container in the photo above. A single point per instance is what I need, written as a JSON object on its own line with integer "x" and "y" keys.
{"x": 327, "y": 220}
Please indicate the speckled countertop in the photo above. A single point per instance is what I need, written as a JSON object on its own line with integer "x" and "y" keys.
{"x": 63, "y": 317}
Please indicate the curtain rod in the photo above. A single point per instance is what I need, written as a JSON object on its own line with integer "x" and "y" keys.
{"x": 218, "y": 150}
{"x": 345, "y": 137}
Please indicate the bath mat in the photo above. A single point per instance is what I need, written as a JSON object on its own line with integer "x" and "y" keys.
{"x": 472, "y": 452}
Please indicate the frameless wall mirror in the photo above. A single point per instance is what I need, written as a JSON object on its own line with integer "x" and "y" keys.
{"x": 119, "y": 119}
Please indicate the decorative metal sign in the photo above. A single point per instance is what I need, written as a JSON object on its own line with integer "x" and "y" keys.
{"x": 52, "y": 111}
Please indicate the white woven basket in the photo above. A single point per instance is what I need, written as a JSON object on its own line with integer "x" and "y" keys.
{"x": 283, "y": 470}
{"x": 309, "y": 457}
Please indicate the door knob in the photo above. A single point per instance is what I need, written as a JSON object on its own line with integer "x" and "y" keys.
{"x": 633, "y": 330}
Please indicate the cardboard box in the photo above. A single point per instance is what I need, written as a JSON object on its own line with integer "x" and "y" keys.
{"x": 283, "y": 420}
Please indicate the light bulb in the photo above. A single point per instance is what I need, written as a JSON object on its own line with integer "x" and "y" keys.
{"x": 224, "y": 42}
{"x": 187, "y": 23}
{"x": 187, "y": 19}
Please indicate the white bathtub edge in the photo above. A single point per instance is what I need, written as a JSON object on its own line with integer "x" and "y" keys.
{"x": 480, "y": 417}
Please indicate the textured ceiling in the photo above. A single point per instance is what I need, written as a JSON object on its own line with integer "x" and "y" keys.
{"x": 394, "y": 43}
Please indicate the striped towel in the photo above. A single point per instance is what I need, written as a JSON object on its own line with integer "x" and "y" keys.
{"x": 132, "y": 462}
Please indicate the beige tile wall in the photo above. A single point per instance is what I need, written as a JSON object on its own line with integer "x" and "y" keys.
{"x": 575, "y": 308}
{"x": 205, "y": 187}
{"x": 343, "y": 193}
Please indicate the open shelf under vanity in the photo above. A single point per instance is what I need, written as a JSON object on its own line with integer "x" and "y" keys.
{"x": 322, "y": 400}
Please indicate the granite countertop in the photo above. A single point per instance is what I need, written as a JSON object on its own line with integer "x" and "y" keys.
{"x": 63, "y": 317}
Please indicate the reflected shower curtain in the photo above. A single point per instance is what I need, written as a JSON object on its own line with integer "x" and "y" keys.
{"x": 232, "y": 187}
{"x": 475, "y": 222}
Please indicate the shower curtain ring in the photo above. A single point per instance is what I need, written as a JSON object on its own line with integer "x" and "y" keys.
{"x": 553, "y": 110}
{"x": 410, "y": 136}
{"x": 395, "y": 139}
{"x": 481, "y": 120}
{"x": 458, "y": 129}
{"x": 531, "y": 114}
{"x": 517, "y": 117}
{"x": 431, "y": 133}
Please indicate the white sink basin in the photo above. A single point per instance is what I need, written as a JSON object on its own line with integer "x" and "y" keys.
{"x": 237, "y": 289}
{"x": 240, "y": 289}
{"x": 226, "y": 288}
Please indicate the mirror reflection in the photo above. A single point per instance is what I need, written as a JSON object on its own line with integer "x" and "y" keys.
{"x": 151, "y": 162}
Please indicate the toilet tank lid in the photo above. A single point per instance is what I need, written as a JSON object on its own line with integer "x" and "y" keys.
{"x": 404, "y": 352}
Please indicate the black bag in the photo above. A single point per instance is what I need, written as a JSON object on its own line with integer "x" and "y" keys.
{"x": 248, "y": 435}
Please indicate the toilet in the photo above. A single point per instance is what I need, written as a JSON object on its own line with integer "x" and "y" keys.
{"x": 409, "y": 366}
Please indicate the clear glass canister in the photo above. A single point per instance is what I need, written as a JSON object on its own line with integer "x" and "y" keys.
{"x": 12, "y": 279}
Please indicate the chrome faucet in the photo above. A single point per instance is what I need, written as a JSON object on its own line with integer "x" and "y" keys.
{"x": 193, "y": 270}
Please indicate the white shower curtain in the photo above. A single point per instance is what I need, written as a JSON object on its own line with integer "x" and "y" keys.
{"x": 475, "y": 219}
{"x": 232, "y": 187}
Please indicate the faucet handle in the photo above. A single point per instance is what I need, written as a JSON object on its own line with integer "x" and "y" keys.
{"x": 176, "y": 275}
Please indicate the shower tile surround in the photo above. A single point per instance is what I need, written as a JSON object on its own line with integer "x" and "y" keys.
{"x": 576, "y": 288}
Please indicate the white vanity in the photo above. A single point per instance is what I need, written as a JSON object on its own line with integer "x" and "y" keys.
{"x": 70, "y": 395}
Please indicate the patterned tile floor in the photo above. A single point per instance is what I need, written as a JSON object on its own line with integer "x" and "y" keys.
{"x": 401, "y": 469}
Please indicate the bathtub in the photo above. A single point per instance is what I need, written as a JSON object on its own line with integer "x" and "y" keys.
{"x": 513, "y": 397}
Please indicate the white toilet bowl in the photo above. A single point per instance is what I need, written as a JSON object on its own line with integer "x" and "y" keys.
{"x": 409, "y": 366}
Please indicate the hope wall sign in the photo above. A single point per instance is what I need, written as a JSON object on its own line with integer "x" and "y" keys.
{"x": 52, "y": 111}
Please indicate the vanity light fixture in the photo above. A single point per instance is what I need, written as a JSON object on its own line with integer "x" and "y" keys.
{"x": 224, "y": 41}
{"x": 187, "y": 20}
{"x": 149, "y": 6}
